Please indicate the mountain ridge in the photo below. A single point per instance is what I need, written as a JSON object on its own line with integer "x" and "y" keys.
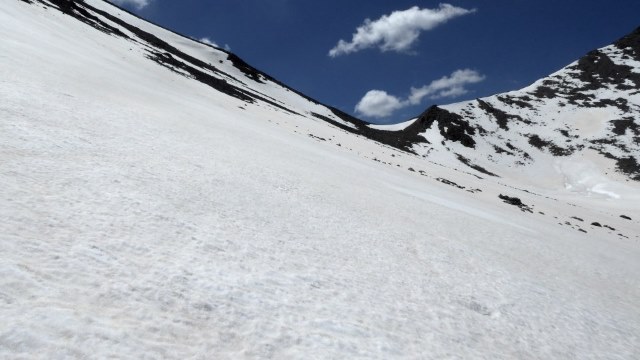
{"x": 594, "y": 81}
{"x": 504, "y": 109}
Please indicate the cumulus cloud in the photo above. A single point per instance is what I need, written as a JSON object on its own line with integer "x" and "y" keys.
{"x": 377, "y": 103}
{"x": 139, "y": 4}
{"x": 380, "y": 104}
{"x": 399, "y": 30}
{"x": 446, "y": 86}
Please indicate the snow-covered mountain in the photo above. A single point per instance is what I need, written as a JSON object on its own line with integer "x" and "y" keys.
{"x": 161, "y": 198}
{"x": 587, "y": 112}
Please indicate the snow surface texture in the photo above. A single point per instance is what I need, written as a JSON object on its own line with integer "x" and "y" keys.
{"x": 147, "y": 215}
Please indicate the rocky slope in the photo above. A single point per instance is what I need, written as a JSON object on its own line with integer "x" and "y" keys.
{"x": 590, "y": 110}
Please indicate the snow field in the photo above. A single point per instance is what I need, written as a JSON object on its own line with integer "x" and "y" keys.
{"x": 145, "y": 216}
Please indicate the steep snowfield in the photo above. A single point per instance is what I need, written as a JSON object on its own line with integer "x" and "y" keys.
{"x": 146, "y": 215}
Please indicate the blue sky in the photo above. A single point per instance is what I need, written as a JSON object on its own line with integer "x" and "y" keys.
{"x": 463, "y": 49}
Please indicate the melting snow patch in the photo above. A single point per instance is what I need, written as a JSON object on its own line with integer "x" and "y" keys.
{"x": 582, "y": 176}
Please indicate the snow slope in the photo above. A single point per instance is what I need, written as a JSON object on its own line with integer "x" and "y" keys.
{"x": 150, "y": 215}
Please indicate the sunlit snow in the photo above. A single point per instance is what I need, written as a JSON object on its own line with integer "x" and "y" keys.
{"x": 145, "y": 215}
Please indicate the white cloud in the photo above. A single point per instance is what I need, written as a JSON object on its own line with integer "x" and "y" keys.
{"x": 447, "y": 86}
{"x": 378, "y": 103}
{"x": 399, "y": 30}
{"x": 208, "y": 41}
{"x": 137, "y": 3}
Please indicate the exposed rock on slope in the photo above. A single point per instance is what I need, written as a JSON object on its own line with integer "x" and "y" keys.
{"x": 592, "y": 105}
